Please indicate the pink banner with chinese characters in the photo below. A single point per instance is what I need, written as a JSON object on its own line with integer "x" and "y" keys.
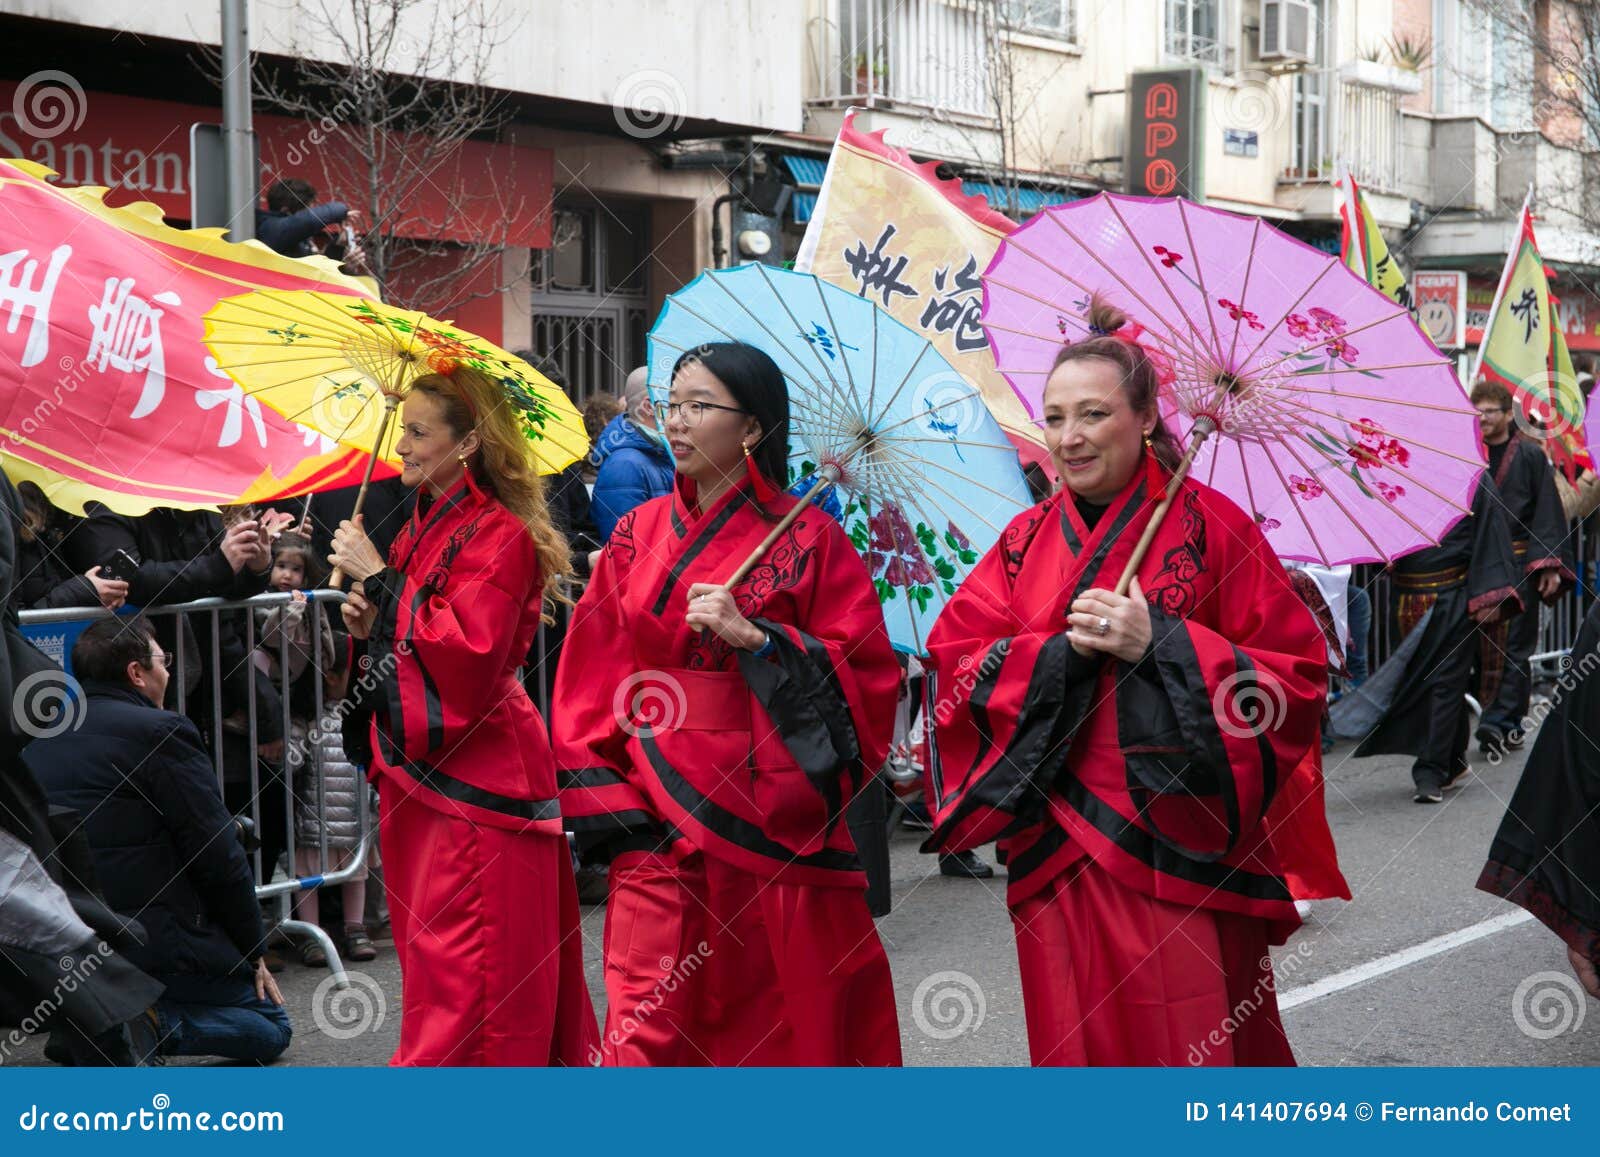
{"x": 109, "y": 393}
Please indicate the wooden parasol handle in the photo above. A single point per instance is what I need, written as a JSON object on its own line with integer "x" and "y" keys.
{"x": 390, "y": 403}
{"x": 1203, "y": 428}
{"x": 829, "y": 475}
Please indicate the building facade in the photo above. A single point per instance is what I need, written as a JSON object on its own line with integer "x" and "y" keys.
{"x": 644, "y": 140}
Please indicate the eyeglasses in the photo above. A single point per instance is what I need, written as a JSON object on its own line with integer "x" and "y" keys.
{"x": 690, "y": 412}
{"x": 166, "y": 658}
{"x": 1489, "y": 413}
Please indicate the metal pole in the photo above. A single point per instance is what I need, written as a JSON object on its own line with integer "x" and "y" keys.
{"x": 242, "y": 180}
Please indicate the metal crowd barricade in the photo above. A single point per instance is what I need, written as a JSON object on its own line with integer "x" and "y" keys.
{"x": 278, "y": 891}
{"x": 1558, "y": 624}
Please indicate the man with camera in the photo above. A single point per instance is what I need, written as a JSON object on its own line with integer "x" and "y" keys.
{"x": 165, "y": 849}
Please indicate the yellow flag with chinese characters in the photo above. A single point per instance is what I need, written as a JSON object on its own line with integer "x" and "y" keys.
{"x": 888, "y": 228}
{"x": 1363, "y": 249}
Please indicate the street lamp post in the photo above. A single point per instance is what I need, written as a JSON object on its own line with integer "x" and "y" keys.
{"x": 237, "y": 143}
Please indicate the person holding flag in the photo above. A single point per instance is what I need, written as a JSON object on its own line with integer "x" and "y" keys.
{"x": 1525, "y": 378}
{"x": 1540, "y": 542}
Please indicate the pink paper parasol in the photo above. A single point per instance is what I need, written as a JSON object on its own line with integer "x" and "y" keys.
{"x": 1342, "y": 428}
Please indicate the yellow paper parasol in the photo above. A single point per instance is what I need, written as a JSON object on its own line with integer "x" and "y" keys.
{"x": 341, "y": 366}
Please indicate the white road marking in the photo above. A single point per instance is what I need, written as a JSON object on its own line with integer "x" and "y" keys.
{"x": 1395, "y": 961}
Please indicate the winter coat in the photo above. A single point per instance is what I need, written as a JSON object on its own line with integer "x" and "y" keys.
{"x": 180, "y": 559}
{"x": 164, "y": 847}
{"x": 634, "y": 468}
{"x": 321, "y": 767}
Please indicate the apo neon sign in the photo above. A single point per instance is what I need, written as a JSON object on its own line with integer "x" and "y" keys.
{"x": 1165, "y": 146}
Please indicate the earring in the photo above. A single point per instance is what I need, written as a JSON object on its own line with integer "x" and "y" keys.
{"x": 462, "y": 458}
{"x": 746, "y": 446}
{"x": 1147, "y": 442}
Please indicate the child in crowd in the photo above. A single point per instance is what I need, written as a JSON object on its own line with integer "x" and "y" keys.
{"x": 315, "y": 752}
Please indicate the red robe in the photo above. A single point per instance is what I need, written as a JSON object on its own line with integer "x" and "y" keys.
{"x": 1151, "y": 810}
{"x": 737, "y": 929}
{"x": 484, "y": 907}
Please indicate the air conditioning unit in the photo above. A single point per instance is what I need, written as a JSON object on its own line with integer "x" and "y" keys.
{"x": 1288, "y": 30}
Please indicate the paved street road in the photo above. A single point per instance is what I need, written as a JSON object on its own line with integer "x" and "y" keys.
{"x": 1420, "y": 969}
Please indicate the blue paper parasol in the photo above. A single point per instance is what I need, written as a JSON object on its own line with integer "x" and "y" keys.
{"x": 880, "y": 423}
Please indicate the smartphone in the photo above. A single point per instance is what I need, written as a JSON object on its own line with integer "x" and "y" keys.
{"x": 121, "y": 566}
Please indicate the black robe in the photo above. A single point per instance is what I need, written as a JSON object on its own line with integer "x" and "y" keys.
{"x": 1421, "y": 710}
{"x": 1540, "y": 540}
{"x": 1546, "y": 855}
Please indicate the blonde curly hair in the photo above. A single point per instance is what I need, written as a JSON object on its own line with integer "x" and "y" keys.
{"x": 505, "y": 464}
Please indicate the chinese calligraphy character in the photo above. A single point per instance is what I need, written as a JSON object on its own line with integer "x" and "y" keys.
{"x": 238, "y": 405}
{"x": 127, "y": 336}
{"x": 821, "y": 337}
{"x": 323, "y": 443}
{"x": 959, "y": 310}
{"x": 1526, "y": 307}
{"x": 18, "y": 291}
{"x": 877, "y": 271}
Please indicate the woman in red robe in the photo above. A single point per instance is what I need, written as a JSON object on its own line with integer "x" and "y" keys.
{"x": 1141, "y": 754}
{"x": 709, "y": 740}
{"x": 479, "y": 876}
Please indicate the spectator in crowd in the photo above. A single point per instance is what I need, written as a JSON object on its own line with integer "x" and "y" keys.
{"x": 568, "y": 492}
{"x": 165, "y": 848}
{"x": 43, "y": 579}
{"x": 634, "y": 462}
{"x": 322, "y": 772}
{"x": 182, "y": 555}
{"x": 53, "y": 914}
{"x": 292, "y": 220}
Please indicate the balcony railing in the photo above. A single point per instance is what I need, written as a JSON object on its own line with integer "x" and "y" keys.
{"x": 925, "y": 55}
{"x": 1200, "y": 49}
{"x": 1339, "y": 121}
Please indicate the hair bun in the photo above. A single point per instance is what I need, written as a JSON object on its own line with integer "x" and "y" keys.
{"x": 1105, "y": 318}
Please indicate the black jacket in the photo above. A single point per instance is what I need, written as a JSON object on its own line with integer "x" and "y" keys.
{"x": 44, "y": 579}
{"x": 165, "y": 849}
{"x": 180, "y": 559}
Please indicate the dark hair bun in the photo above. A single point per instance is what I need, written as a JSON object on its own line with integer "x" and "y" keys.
{"x": 1104, "y": 317}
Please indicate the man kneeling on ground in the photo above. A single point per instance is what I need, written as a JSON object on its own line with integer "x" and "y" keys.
{"x": 165, "y": 848}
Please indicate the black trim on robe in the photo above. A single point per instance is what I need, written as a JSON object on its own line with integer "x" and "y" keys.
{"x": 1025, "y": 863}
{"x": 800, "y": 690}
{"x": 442, "y": 783}
{"x": 1169, "y": 736}
{"x": 1060, "y": 694}
{"x": 1546, "y": 855}
{"x": 720, "y": 822}
{"x": 1138, "y": 843}
{"x": 701, "y": 541}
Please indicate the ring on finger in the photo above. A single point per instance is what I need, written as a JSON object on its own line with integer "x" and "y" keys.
{"x": 1102, "y": 625}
